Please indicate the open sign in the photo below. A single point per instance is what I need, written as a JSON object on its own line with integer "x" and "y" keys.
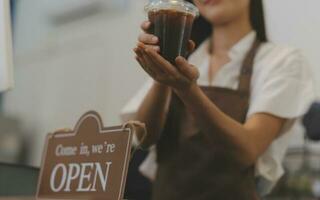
{"x": 90, "y": 162}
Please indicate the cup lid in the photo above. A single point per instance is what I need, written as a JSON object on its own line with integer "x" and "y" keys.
{"x": 179, "y": 5}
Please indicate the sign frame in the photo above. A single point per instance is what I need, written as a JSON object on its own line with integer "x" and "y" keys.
{"x": 73, "y": 133}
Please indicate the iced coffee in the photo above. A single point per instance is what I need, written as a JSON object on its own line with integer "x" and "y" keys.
{"x": 172, "y": 22}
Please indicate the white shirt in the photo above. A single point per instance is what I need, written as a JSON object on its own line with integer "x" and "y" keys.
{"x": 281, "y": 85}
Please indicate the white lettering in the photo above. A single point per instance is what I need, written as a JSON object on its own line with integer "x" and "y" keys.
{"x": 97, "y": 148}
{"x": 74, "y": 171}
{"x": 65, "y": 151}
{"x": 53, "y": 177}
{"x": 85, "y": 176}
{"x": 84, "y": 150}
{"x": 110, "y": 148}
{"x": 88, "y": 174}
{"x": 103, "y": 178}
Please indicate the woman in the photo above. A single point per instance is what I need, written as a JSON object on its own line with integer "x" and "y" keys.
{"x": 223, "y": 119}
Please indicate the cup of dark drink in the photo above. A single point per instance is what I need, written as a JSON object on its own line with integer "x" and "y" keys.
{"x": 172, "y": 21}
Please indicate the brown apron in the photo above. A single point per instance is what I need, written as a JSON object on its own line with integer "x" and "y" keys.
{"x": 192, "y": 165}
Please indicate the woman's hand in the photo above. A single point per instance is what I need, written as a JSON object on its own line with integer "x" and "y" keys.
{"x": 148, "y": 39}
{"x": 147, "y": 54}
{"x": 152, "y": 41}
{"x": 180, "y": 77}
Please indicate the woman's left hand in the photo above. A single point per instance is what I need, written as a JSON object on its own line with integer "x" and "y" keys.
{"x": 182, "y": 76}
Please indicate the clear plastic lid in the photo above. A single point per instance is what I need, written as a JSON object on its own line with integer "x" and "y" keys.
{"x": 179, "y": 5}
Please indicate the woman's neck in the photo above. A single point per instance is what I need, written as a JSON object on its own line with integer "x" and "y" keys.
{"x": 225, "y": 36}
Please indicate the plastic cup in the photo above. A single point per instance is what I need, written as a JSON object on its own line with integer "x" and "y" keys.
{"x": 172, "y": 22}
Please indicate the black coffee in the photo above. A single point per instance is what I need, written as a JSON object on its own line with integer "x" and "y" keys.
{"x": 173, "y": 28}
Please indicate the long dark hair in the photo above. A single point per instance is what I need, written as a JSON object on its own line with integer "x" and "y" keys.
{"x": 203, "y": 29}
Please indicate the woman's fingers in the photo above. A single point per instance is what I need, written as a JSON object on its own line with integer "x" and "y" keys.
{"x": 186, "y": 69}
{"x": 154, "y": 48}
{"x": 148, "y": 71}
{"x": 149, "y": 63}
{"x": 161, "y": 70}
{"x": 143, "y": 64}
{"x": 140, "y": 59}
{"x": 145, "y": 26}
{"x": 167, "y": 67}
{"x": 191, "y": 46}
{"x": 137, "y": 51}
{"x": 159, "y": 59}
{"x": 148, "y": 38}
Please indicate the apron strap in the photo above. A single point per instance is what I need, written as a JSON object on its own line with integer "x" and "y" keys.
{"x": 247, "y": 68}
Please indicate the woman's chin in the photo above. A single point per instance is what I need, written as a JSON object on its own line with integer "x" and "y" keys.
{"x": 214, "y": 16}
{"x": 217, "y": 20}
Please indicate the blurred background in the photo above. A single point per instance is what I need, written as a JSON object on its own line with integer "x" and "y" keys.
{"x": 70, "y": 57}
{"x": 76, "y": 55}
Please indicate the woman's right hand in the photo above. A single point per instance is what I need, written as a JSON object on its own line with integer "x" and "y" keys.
{"x": 147, "y": 38}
